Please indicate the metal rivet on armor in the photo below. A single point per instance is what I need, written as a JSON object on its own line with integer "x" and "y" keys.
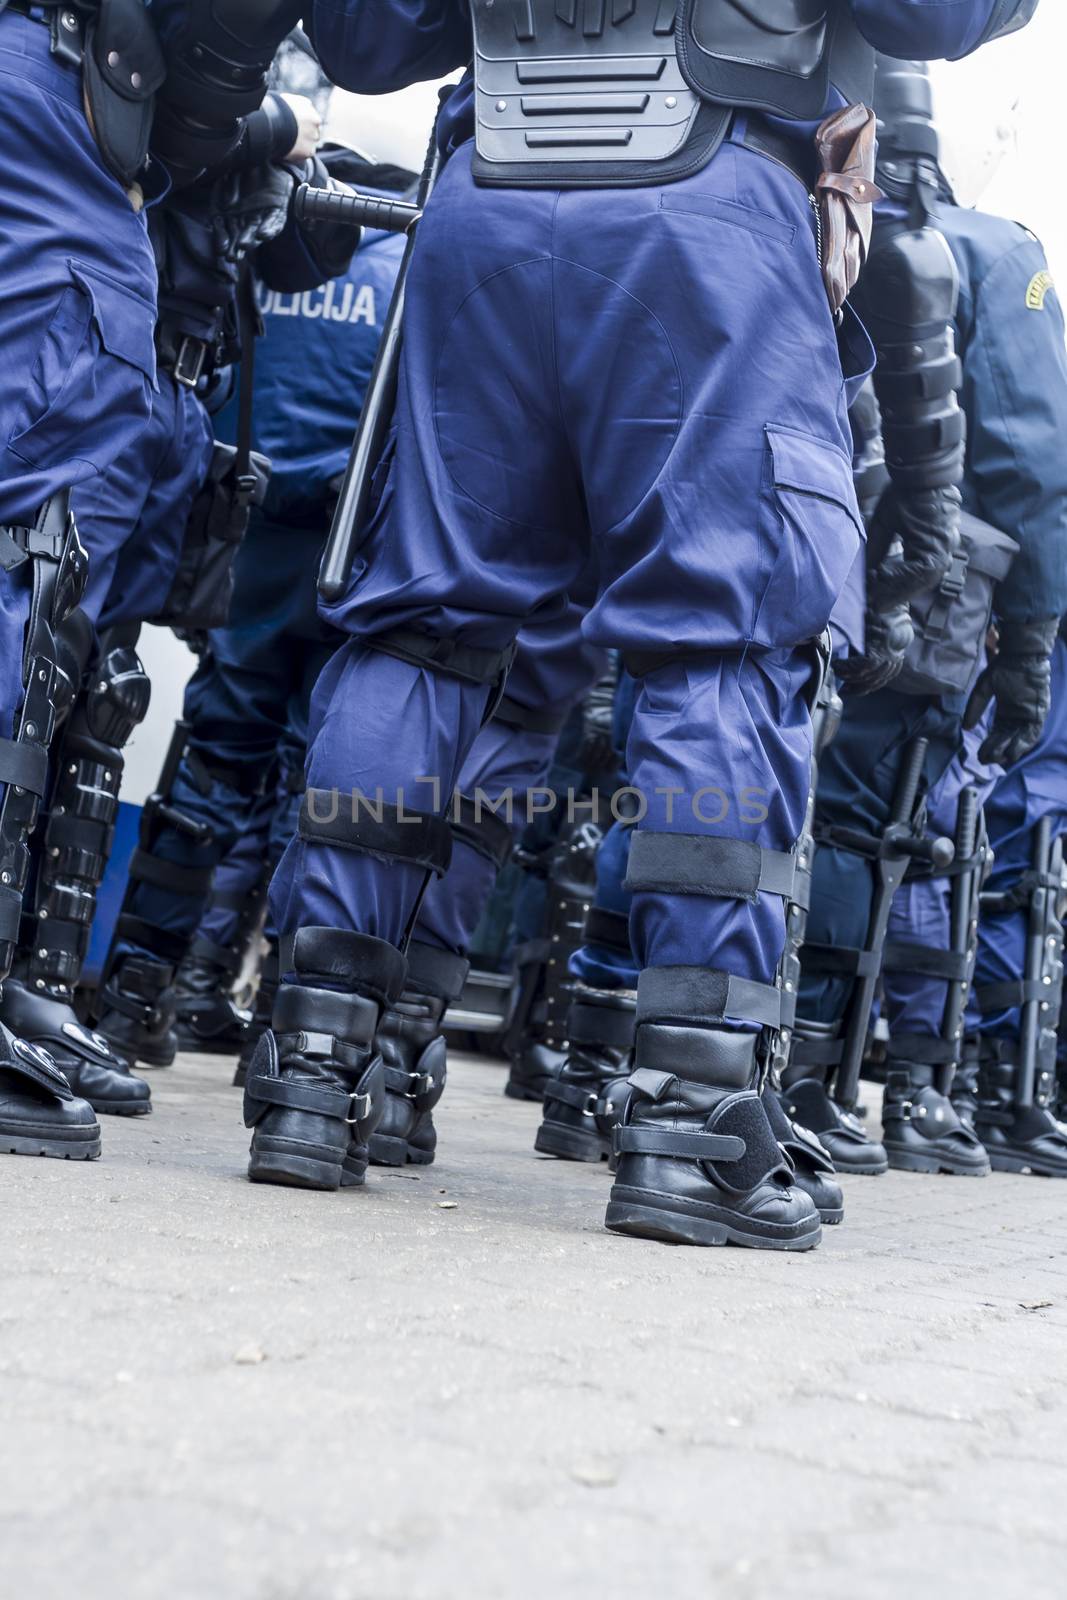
{"x": 135, "y": 79}
{"x": 43, "y": 916}
{"x": 54, "y": 850}
{"x": 671, "y": 101}
{"x": 40, "y": 983}
{"x": 5, "y": 877}
{"x": 502, "y": 105}
{"x": 42, "y": 675}
{"x": 72, "y": 768}
{"x": 42, "y": 951}
{"x": 69, "y": 21}
{"x": 113, "y": 58}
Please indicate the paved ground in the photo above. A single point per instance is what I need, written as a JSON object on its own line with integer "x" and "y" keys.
{"x": 455, "y": 1385}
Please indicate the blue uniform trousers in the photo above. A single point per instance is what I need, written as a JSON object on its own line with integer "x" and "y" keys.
{"x": 651, "y": 377}
{"x": 77, "y": 308}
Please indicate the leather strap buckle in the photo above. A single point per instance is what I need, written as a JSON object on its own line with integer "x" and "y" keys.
{"x": 189, "y": 362}
{"x": 360, "y": 1105}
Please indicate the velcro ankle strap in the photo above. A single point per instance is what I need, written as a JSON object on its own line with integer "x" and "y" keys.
{"x": 647, "y": 1141}
{"x": 326, "y": 1099}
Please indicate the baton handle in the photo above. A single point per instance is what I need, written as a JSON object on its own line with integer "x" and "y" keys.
{"x": 357, "y": 210}
{"x": 908, "y": 783}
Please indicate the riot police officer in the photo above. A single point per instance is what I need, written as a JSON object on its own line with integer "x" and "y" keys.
{"x": 1013, "y": 558}
{"x": 577, "y": 379}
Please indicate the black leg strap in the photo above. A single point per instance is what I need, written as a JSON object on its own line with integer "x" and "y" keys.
{"x": 729, "y": 869}
{"x": 920, "y": 960}
{"x": 476, "y": 824}
{"x": 370, "y": 827}
{"x": 706, "y": 996}
{"x": 608, "y": 929}
{"x": 451, "y": 657}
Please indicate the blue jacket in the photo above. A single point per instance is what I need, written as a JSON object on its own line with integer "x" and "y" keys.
{"x": 311, "y": 371}
{"x": 1010, "y": 336}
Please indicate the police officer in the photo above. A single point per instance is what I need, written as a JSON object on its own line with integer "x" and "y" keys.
{"x": 77, "y": 297}
{"x": 1013, "y": 490}
{"x": 133, "y": 517}
{"x": 575, "y": 379}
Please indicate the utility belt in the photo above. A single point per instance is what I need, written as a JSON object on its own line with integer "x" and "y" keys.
{"x": 951, "y": 621}
{"x": 114, "y": 45}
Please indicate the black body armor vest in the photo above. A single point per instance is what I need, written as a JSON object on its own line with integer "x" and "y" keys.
{"x": 586, "y": 93}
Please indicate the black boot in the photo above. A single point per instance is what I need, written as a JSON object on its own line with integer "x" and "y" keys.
{"x": 39, "y": 1114}
{"x": 206, "y": 1016}
{"x": 315, "y": 1088}
{"x": 1018, "y": 1138}
{"x": 91, "y": 1069}
{"x": 413, "y": 1052}
{"x": 806, "y": 1100}
{"x": 921, "y": 1130}
{"x": 813, "y": 1171}
{"x": 261, "y": 1014}
{"x": 534, "y": 1040}
{"x": 697, "y": 1160}
{"x": 137, "y": 1011}
{"x": 585, "y": 1102}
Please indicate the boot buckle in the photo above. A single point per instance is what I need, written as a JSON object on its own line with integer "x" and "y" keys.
{"x": 360, "y": 1107}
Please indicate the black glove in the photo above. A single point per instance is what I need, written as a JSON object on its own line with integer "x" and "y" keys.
{"x": 251, "y": 207}
{"x": 888, "y": 638}
{"x": 919, "y": 529}
{"x": 1019, "y": 678}
{"x": 598, "y": 753}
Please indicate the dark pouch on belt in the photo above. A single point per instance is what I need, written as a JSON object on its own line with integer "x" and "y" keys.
{"x": 123, "y": 68}
{"x": 202, "y": 590}
{"x": 846, "y": 192}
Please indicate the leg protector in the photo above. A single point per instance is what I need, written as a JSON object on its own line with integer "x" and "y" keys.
{"x": 50, "y": 559}
{"x": 315, "y": 1089}
{"x": 412, "y": 1046}
{"x": 80, "y": 825}
{"x": 585, "y": 1102}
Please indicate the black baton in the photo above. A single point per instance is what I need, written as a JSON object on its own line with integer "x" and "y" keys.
{"x": 350, "y": 515}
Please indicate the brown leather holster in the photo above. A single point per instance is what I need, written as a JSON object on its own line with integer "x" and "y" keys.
{"x": 846, "y": 193}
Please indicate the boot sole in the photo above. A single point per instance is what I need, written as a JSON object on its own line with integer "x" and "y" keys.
{"x": 22, "y": 1144}
{"x": 915, "y": 1161}
{"x": 571, "y": 1144}
{"x": 861, "y": 1169}
{"x": 830, "y": 1218}
{"x": 646, "y": 1215}
{"x": 120, "y": 1108}
{"x": 1036, "y": 1169}
{"x": 288, "y": 1166}
{"x": 387, "y": 1151}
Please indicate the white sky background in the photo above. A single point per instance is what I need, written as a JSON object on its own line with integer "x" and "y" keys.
{"x": 1030, "y": 186}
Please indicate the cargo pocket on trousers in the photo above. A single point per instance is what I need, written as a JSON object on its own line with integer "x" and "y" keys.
{"x": 810, "y": 531}
{"x": 88, "y": 393}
